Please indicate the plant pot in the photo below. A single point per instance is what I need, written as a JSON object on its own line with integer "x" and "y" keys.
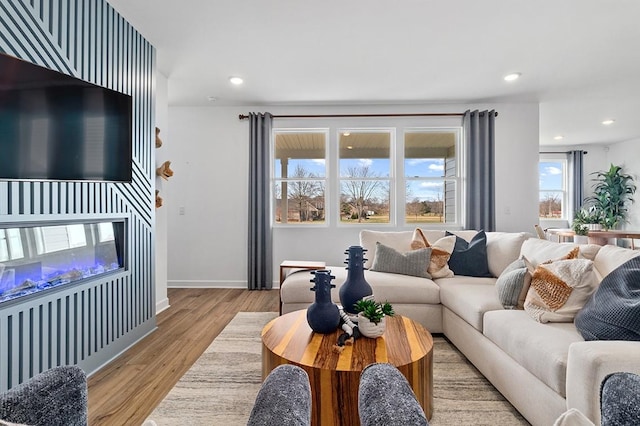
{"x": 594, "y": 226}
{"x": 370, "y": 329}
{"x": 580, "y": 239}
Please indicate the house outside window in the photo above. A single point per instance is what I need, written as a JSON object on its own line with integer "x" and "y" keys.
{"x": 432, "y": 175}
{"x": 553, "y": 188}
{"x": 353, "y": 175}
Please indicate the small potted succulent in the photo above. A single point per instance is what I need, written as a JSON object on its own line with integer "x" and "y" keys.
{"x": 371, "y": 317}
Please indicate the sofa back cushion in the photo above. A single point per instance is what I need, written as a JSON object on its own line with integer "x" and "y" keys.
{"x": 503, "y": 248}
{"x": 610, "y": 257}
{"x": 539, "y": 251}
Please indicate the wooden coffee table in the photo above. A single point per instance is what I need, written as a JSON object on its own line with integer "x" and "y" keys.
{"x": 335, "y": 377}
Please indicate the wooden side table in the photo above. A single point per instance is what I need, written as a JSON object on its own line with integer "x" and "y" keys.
{"x": 287, "y": 265}
{"x": 335, "y": 377}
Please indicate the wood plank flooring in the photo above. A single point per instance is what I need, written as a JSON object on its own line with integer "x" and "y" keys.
{"x": 127, "y": 390}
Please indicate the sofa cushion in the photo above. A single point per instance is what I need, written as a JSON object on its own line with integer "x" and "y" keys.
{"x": 469, "y": 297}
{"x": 613, "y": 312}
{"x": 469, "y": 258}
{"x": 512, "y": 285}
{"x": 502, "y": 249}
{"x": 394, "y": 288}
{"x": 413, "y": 262}
{"x": 609, "y": 257}
{"x": 560, "y": 289}
{"x": 539, "y": 251}
{"x": 400, "y": 241}
{"x": 540, "y": 348}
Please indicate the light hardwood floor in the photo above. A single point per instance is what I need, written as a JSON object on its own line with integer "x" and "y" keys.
{"x": 127, "y": 390}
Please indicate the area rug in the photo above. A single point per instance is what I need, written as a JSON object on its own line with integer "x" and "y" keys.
{"x": 221, "y": 386}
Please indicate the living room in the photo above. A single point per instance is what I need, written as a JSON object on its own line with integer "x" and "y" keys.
{"x": 199, "y": 234}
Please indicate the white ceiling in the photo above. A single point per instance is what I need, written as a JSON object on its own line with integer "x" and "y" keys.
{"x": 580, "y": 59}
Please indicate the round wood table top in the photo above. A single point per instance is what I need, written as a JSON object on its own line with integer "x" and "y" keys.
{"x": 334, "y": 376}
{"x": 290, "y": 337}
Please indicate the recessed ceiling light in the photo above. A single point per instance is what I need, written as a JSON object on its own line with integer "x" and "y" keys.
{"x": 559, "y": 137}
{"x": 346, "y": 134}
{"x": 349, "y": 147}
{"x": 236, "y": 80}
{"x": 512, "y": 77}
{"x": 212, "y": 98}
{"x": 608, "y": 121}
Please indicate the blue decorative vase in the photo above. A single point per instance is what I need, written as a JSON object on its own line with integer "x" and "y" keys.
{"x": 323, "y": 315}
{"x": 355, "y": 287}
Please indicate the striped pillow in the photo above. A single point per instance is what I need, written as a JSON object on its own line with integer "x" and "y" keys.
{"x": 413, "y": 262}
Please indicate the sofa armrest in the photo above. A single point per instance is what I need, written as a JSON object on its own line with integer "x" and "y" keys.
{"x": 587, "y": 365}
{"x": 55, "y": 397}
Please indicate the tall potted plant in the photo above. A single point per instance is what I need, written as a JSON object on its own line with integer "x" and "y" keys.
{"x": 612, "y": 192}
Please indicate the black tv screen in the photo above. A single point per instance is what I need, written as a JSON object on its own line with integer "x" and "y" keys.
{"x": 57, "y": 127}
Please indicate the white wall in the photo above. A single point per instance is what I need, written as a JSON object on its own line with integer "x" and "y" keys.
{"x": 162, "y": 120}
{"x": 209, "y": 153}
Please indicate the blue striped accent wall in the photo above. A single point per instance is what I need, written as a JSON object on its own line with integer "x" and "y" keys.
{"x": 90, "y": 323}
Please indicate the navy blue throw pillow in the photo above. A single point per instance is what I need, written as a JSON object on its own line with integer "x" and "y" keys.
{"x": 613, "y": 311}
{"x": 470, "y": 258}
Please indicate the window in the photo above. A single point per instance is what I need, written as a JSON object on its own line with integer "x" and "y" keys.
{"x": 432, "y": 176}
{"x": 50, "y": 239}
{"x": 365, "y": 172}
{"x": 10, "y": 244}
{"x": 299, "y": 176}
{"x": 350, "y": 174}
{"x": 553, "y": 188}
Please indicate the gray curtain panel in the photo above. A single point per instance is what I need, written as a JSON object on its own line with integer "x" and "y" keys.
{"x": 576, "y": 181}
{"x": 479, "y": 130}
{"x": 260, "y": 252}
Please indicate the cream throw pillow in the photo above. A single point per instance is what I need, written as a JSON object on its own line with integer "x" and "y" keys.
{"x": 560, "y": 289}
{"x": 440, "y": 253}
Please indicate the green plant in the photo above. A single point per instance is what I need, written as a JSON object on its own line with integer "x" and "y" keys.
{"x": 374, "y": 311}
{"x": 580, "y": 219}
{"x": 612, "y": 192}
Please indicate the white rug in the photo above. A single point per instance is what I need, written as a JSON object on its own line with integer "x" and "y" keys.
{"x": 221, "y": 386}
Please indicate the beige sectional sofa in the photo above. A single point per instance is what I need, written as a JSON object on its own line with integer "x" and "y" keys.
{"x": 543, "y": 369}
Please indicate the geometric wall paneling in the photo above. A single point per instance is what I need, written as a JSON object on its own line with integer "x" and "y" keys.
{"x": 88, "y": 323}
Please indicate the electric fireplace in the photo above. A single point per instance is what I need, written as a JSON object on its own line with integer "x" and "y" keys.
{"x": 36, "y": 258}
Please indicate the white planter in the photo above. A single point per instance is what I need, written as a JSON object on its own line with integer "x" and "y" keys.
{"x": 369, "y": 329}
{"x": 580, "y": 239}
{"x": 594, "y": 226}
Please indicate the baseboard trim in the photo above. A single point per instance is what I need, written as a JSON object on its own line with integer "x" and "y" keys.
{"x": 162, "y": 305}
{"x": 210, "y": 284}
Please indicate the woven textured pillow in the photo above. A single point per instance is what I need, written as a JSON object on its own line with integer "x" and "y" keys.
{"x": 560, "y": 289}
{"x": 470, "y": 258}
{"x": 613, "y": 311}
{"x": 440, "y": 253}
{"x": 512, "y": 285}
{"x": 413, "y": 262}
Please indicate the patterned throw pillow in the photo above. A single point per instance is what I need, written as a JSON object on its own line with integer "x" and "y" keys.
{"x": 513, "y": 284}
{"x": 440, "y": 253}
{"x": 560, "y": 289}
{"x": 613, "y": 312}
{"x": 414, "y": 262}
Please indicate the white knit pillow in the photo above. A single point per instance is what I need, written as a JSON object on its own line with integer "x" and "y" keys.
{"x": 560, "y": 289}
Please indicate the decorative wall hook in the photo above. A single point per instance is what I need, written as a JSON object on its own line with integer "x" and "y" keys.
{"x": 164, "y": 171}
{"x": 158, "y": 199}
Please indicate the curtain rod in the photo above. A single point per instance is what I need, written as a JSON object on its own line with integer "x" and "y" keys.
{"x": 424, "y": 114}
{"x": 560, "y": 152}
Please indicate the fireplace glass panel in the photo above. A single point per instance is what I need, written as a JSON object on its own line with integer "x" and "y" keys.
{"x": 37, "y": 258}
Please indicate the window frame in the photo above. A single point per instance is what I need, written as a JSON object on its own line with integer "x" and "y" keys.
{"x": 458, "y": 180}
{"x": 275, "y": 179}
{"x": 556, "y": 158}
{"x": 397, "y": 180}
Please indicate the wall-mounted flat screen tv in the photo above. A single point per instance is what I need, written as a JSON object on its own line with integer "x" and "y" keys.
{"x": 57, "y": 127}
